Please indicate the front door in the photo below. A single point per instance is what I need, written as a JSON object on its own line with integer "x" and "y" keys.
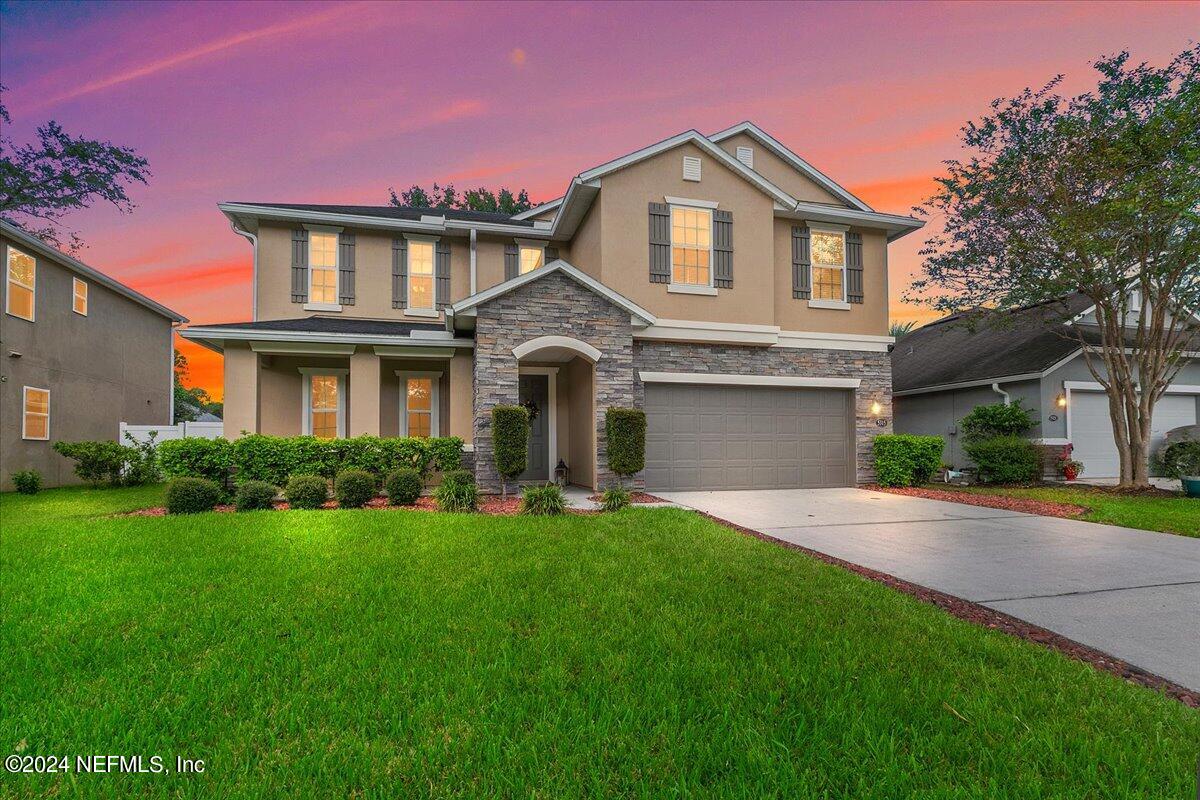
{"x": 533, "y": 392}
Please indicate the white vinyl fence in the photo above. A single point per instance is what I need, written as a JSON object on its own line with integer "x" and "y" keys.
{"x": 200, "y": 430}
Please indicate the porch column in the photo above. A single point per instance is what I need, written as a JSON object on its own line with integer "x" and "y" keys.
{"x": 241, "y": 391}
{"x": 364, "y": 393}
{"x": 462, "y": 396}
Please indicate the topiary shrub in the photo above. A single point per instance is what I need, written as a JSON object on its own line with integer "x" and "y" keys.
{"x": 457, "y": 491}
{"x": 997, "y": 419}
{"x": 510, "y": 442}
{"x": 1005, "y": 459}
{"x": 306, "y": 491}
{"x": 255, "y": 496}
{"x": 1181, "y": 459}
{"x": 27, "y": 481}
{"x": 192, "y": 495}
{"x": 614, "y": 498}
{"x": 354, "y": 488}
{"x": 902, "y": 459}
{"x": 543, "y": 501}
{"x": 403, "y": 486}
{"x": 196, "y": 458}
{"x": 95, "y": 462}
{"x": 626, "y": 432}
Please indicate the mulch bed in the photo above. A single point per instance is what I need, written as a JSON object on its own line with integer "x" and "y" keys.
{"x": 995, "y": 620}
{"x": 491, "y": 504}
{"x": 1043, "y": 507}
{"x": 634, "y": 497}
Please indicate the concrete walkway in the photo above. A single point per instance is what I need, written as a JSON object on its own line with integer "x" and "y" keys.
{"x": 1132, "y": 594}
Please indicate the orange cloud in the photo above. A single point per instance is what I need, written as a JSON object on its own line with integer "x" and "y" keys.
{"x": 517, "y": 56}
{"x": 897, "y": 194}
{"x": 205, "y": 368}
{"x": 222, "y": 273}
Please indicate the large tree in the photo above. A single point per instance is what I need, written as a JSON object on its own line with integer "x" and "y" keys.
{"x": 190, "y": 401}
{"x": 43, "y": 181}
{"x": 1096, "y": 194}
{"x": 502, "y": 201}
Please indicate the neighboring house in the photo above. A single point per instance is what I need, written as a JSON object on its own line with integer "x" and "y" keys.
{"x": 942, "y": 371}
{"x": 719, "y": 282}
{"x": 81, "y": 353}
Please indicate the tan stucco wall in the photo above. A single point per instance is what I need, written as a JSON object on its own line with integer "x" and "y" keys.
{"x": 779, "y": 172}
{"x": 584, "y": 251}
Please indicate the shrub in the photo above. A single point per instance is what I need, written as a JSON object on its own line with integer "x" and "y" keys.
{"x": 1005, "y": 459}
{"x": 306, "y": 491}
{"x": 254, "y": 496}
{"x": 614, "y": 498}
{"x": 403, "y": 486}
{"x": 998, "y": 419}
{"x": 269, "y": 458}
{"x": 27, "y": 481}
{"x": 457, "y": 491}
{"x": 362, "y": 453}
{"x": 95, "y": 462}
{"x": 543, "y": 501}
{"x": 192, "y": 495}
{"x": 510, "y": 442}
{"x": 274, "y": 458}
{"x": 902, "y": 459}
{"x": 1181, "y": 459}
{"x": 141, "y": 461}
{"x": 446, "y": 452}
{"x": 354, "y": 488}
{"x": 626, "y": 432}
{"x": 196, "y": 458}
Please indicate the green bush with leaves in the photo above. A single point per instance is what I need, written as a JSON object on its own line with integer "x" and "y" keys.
{"x": 903, "y": 459}
{"x": 306, "y": 491}
{"x": 354, "y": 488}
{"x": 403, "y": 486}
{"x": 1181, "y": 459}
{"x": 141, "y": 461}
{"x": 196, "y": 457}
{"x": 626, "y": 432}
{"x": 997, "y": 419}
{"x": 1005, "y": 459}
{"x": 95, "y": 462}
{"x": 614, "y": 498}
{"x": 274, "y": 458}
{"x": 445, "y": 452}
{"x": 510, "y": 442}
{"x": 546, "y": 500}
{"x": 192, "y": 495}
{"x": 254, "y": 496}
{"x": 27, "y": 481}
{"x": 457, "y": 491}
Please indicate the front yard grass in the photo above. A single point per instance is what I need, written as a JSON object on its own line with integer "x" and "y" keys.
{"x": 1151, "y": 511}
{"x": 645, "y": 653}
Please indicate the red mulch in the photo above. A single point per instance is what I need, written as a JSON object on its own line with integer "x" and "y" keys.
{"x": 491, "y": 504}
{"x": 634, "y": 497}
{"x": 1045, "y": 508}
{"x": 995, "y": 620}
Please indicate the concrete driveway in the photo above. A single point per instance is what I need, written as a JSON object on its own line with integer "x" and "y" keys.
{"x": 1132, "y": 594}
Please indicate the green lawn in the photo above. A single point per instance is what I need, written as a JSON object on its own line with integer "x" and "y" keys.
{"x": 1150, "y": 512}
{"x": 648, "y": 653}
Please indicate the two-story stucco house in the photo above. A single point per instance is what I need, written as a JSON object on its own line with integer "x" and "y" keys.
{"x": 719, "y": 282}
{"x": 81, "y": 354}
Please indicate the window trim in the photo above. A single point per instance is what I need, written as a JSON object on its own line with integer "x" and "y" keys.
{"x": 692, "y": 288}
{"x": 25, "y": 412}
{"x": 308, "y": 374}
{"x": 435, "y": 400}
{"x": 413, "y": 311}
{"x": 8, "y": 251}
{"x": 828, "y": 302}
{"x": 337, "y": 271}
{"x": 75, "y": 284}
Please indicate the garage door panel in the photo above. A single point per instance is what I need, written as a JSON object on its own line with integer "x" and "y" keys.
{"x": 1092, "y": 434}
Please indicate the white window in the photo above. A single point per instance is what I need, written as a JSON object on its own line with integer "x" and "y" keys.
{"x": 420, "y": 275}
{"x": 322, "y": 268}
{"x": 22, "y": 278}
{"x": 691, "y": 168}
{"x": 532, "y": 257}
{"x": 419, "y": 404}
{"x": 828, "y": 265}
{"x": 35, "y": 421}
{"x": 324, "y": 402}
{"x": 79, "y": 296}
{"x": 691, "y": 246}
{"x": 746, "y": 156}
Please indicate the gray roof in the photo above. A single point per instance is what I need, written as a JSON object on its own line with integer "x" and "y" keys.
{"x": 368, "y": 327}
{"x": 972, "y": 347}
{"x": 411, "y": 213}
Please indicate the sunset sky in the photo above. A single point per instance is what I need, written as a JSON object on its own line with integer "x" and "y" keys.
{"x": 314, "y": 102}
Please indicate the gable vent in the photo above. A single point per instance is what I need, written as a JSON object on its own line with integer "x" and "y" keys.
{"x": 691, "y": 168}
{"x": 746, "y": 156}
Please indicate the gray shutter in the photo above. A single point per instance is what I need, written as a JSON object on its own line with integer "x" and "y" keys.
{"x": 723, "y": 249}
{"x": 441, "y": 272}
{"x": 399, "y": 272}
{"x": 346, "y": 269}
{"x": 300, "y": 266}
{"x": 660, "y": 243}
{"x": 551, "y": 254}
{"x": 854, "y": 268}
{"x": 512, "y": 261}
{"x": 801, "y": 263}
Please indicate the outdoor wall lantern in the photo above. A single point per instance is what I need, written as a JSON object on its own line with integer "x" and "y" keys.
{"x": 1061, "y": 401}
{"x": 561, "y": 473}
{"x": 876, "y": 408}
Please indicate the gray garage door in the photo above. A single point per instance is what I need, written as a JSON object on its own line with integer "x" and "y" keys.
{"x": 747, "y": 437}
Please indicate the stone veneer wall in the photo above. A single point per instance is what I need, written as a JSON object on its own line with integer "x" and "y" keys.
{"x": 551, "y": 306}
{"x": 874, "y": 369}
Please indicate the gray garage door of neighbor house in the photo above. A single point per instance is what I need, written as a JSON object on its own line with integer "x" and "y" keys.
{"x": 748, "y": 437}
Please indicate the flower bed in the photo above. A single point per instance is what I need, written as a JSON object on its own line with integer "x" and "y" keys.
{"x": 634, "y": 497}
{"x": 1043, "y": 508}
{"x": 491, "y": 504}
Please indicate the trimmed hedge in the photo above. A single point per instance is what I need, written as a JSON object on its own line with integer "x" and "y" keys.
{"x": 457, "y": 491}
{"x": 192, "y": 495}
{"x": 27, "y": 481}
{"x": 95, "y": 462}
{"x": 1180, "y": 459}
{"x": 254, "y": 496}
{"x": 196, "y": 457}
{"x": 902, "y": 459}
{"x": 354, "y": 488}
{"x": 510, "y": 441}
{"x": 626, "y": 432}
{"x": 306, "y": 491}
{"x": 275, "y": 458}
{"x": 403, "y": 487}
{"x": 996, "y": 419}
{"x": 547, "y": 500}
{"x": 1005, "y": 459}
